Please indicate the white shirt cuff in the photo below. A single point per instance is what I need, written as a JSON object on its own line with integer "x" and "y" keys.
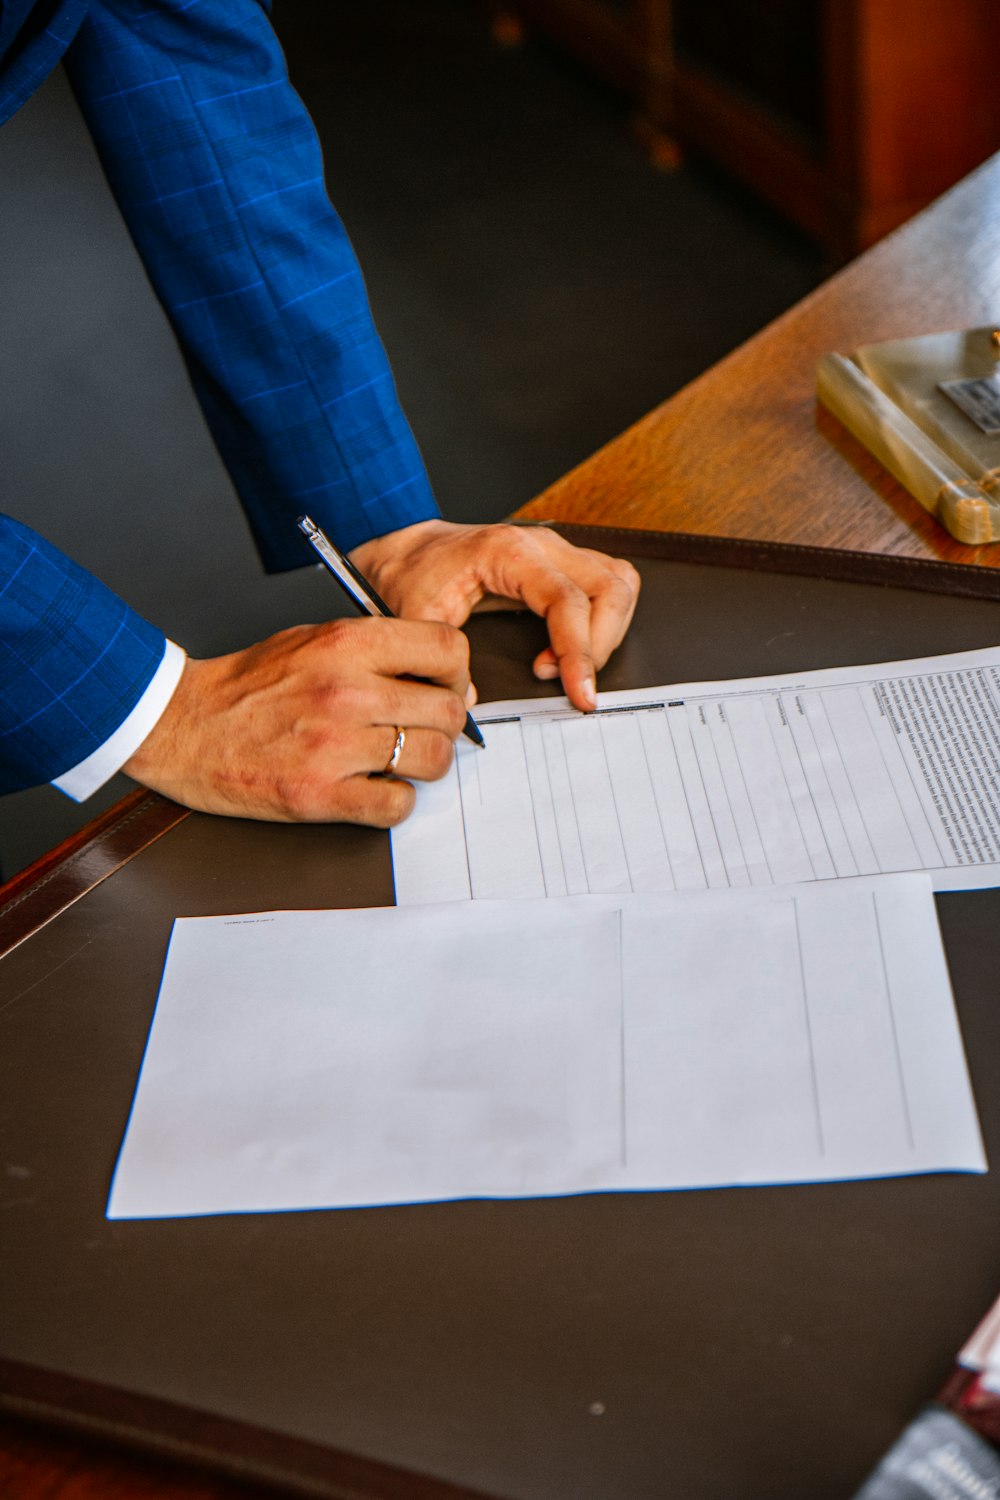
{"x": 81, "y": 780}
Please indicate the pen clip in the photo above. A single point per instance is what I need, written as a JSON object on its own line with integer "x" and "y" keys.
{"x": 344, "y": 570}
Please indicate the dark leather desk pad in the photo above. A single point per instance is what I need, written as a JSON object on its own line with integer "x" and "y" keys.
{"x": 740, "y": 1343}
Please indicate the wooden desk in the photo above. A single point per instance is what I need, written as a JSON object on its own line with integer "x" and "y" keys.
{"x": 744, "y": 451}
{"x": 739, "y": 452}
{"x": 758, "y": 1343}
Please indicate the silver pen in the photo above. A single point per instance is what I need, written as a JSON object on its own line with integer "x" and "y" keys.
{"x": 357, "y": 588}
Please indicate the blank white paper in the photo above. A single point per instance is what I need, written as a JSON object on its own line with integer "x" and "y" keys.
{"x": 792, "y": 1034}
{"x": 518, "y": 1048}
{"x": 760, "y": 781}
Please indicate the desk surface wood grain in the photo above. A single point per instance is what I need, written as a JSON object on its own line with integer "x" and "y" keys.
{"x": 743, "y": 452}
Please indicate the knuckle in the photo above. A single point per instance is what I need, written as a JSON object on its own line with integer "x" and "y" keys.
{"x": 620, "y": 594}
{"x": 450, "y": 646}
{"x": 449, "y": 639}
{"x": 511, "y": 544}
{"x": 343, "y": 699}
{"x": 299, "y": 799}
{"x": 570, "y": 596}
{"x": 351, "y": 642}
{"x": 397, "y": 806}
{"x": 339, "y": 635}
{"x": 396, "y": 703}
{"x": 440, "y": 754}
{"x": 627, "y": 574}
{"x": 506, "y": 534}
{"x": 576, "y": 661}
{"x": 456, "y": 715}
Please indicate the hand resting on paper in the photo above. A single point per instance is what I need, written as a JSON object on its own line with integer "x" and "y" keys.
{"x": 438, "y": 570}
{"x": 292, "y": 729}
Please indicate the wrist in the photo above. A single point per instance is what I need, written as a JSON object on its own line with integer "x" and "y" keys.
{"x": 156, "y": 756}
{"x": 116, "y": 752}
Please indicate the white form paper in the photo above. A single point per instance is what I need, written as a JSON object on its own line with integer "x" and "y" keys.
{"x": 758, "y": 781}
{"x": 333, "y": 1059}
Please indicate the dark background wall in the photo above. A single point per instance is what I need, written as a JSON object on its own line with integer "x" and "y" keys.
{"x": 538, "y": 285}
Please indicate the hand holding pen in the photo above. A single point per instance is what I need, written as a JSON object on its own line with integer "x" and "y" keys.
{"x": 292, "y": 728}
{"x": 304, "y": 726}
{"x": 358, "y": 589}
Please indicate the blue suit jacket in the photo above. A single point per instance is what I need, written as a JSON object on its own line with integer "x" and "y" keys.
{"x": 217, "y": 171}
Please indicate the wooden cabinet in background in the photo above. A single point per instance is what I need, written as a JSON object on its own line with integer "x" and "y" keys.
{"x": 847, "y": 115}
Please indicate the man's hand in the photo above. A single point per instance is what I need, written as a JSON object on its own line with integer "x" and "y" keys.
{"x": 291, "y": 730}
{"x": 440, "y": 571}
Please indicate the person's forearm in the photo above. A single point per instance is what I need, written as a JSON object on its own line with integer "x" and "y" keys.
{"x": 217, "y": 170}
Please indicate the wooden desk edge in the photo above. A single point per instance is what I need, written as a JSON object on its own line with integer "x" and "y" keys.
{"x": 206, "y": 1443}
{"x": 37, "y": 894}
{"x": 841, "y": 565}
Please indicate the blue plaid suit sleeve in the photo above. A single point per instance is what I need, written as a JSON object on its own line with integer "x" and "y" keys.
{"x": 74, "y": 660}
{"x": 217, "y": 170}
{"x": 218, "y": 173}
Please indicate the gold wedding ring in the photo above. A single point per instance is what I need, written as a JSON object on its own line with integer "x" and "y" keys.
{"x": 397, "y": 751}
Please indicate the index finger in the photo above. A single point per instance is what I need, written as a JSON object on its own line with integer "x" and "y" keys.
{"x": 570, "y": 627}
{"x": 612, "y": 585}
{"x": 567, "y": 612}
{"x": 429, "y": 650}
{"x": 588, "y": 600}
